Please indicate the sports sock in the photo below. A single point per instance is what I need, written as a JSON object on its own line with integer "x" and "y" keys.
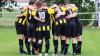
{"x": 40, "y": 47}
{"x": 66, "y": 49}
{"x": 56, "y": 46}
{"x": 79, "y": 47}
{"x": 62, "y": 45}
{"x": 21, "y": 45}
{"x": 34, "y": 46}
{"x": 74, "y": 47}
{"x": 27, "y": 46}
{"x": 47, "y": 45}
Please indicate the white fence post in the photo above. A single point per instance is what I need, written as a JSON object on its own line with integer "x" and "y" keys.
{"x": 99, "y": 19}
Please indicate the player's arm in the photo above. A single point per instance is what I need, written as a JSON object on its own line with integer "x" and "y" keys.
{"x": 35, "y": 17}
{"x": 71, "y": 15}
{"x": 23, "y": 14}
{"x": 24, "y": 10}
{"x": 74, "y": 10}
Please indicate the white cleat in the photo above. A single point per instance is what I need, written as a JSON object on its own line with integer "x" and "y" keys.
{"x": 54, "y": 55}
{"x": 63, "y": 55}
{"x": 46, "y": 54}
{"x": 40, "y": 54}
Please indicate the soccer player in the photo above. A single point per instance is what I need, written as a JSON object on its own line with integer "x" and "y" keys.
{"x": 70, "y": 29}
{"x": 78, "y": 30}
{"x": 21, "y": 29}
{"x": 43, "y": 27}
{"x": 58, "y": 27}
{"x": 32, "y": 28}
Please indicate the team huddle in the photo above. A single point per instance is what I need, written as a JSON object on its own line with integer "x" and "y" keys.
{"x": 37, "y": 20}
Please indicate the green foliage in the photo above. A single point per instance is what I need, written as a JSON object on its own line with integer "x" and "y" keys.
{"x": 60, "y": 1}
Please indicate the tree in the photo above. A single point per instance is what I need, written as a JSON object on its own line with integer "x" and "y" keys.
{"x": 2, "y": 2}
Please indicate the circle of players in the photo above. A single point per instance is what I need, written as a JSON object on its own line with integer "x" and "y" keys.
{"x": 37, "y": 20}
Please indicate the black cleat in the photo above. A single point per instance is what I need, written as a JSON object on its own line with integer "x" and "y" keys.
{"x": 23, "y": 52}
{"x": 28, "y": 52}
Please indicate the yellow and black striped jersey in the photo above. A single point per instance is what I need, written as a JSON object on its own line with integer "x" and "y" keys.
{"x": 44, "y": 14}
{"x": 22, "y": 20}
{"x": 74, "y": 8}
{"x": 61, "y": 19}
{"x": 31, "y": 14}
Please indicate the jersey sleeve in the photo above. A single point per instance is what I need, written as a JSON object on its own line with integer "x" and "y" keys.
{"x": 74, "y": 9}
{"x": 63, "y": 9}
{"x": 33, "y": 13}
{"x": 25, "y": 13}
{"x": 50, "y": 11}
{"x": 68, "y": 12}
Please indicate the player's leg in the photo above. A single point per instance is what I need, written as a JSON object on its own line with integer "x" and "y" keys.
{"x": 29, "y": 31}
{"x": 67, "y": 33}
{"x": 34, "y": 46}
{"x": 66, "y": 46}
{"x": 74, "y": 46}
{"x": 62, "y": 43}
{"x": 79, "y": 44}
{"x": 21, "y": 38}
{"x": 79, "y": 37}
{"x": 63, "y": 38}
{"x": 73, "y": 35}
{"x": 47, "y": 42}
{"x": 20, "y": 33}
{"x": 34, "y": 41}
{"x": 40, "y": 42}
{"x": 55, "y": 39}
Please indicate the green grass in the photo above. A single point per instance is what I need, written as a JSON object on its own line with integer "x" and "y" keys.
{"x": 9, "y": 42}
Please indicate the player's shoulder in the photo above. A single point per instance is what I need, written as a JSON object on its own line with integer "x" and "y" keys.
{"x": 50, "y": 10}
{"x": 63, "y": 8}
{"x": 74, "y": 7}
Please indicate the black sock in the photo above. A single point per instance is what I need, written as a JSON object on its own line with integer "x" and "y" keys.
{"x": 27, "y": 45}
{"x": 74, "y": 47}
{"x": 56, "y": 46}
{"x": 47, "y": 45}
{"x": 40, "y": 47}
{"x": 66, "y": 49}
{"x": 34, "y": 45}
{"x": 79, "y": 47}
{"x": 21, "y": 45}
{"x": 62, "y": 45}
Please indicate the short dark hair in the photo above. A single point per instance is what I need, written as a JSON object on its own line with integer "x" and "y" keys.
{"x": 31, "y": 3}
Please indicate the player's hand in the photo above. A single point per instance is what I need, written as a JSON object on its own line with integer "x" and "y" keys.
{"x": 42, "y": 20}
{"x": 66, "y": 17}
{"x": 58, "y": 15}
{"x": 17, "y": 16}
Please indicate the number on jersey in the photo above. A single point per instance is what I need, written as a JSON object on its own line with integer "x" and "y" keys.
{"x": 42, "y": 15}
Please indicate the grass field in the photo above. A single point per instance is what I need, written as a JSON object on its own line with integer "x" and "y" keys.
{"x": 9, "y": 42}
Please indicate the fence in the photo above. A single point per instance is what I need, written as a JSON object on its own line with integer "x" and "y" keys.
{"x": 8, "y": 18}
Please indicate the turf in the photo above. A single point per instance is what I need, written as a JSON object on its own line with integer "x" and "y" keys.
{"x": 9, "y": 42}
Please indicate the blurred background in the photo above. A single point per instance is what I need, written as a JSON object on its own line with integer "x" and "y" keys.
{"x": 89, "y": 14}
{"x": 88, "y": 10}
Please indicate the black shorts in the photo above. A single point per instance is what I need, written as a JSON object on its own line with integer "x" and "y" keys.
{"x": 21, "y": 29}
{"x": 58, "y": 29}
{"x": 43, "y": 34}
{"x": 78, "y": 29}
{"x": 70, "y": 29}
{"x": 31, "y": 30}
